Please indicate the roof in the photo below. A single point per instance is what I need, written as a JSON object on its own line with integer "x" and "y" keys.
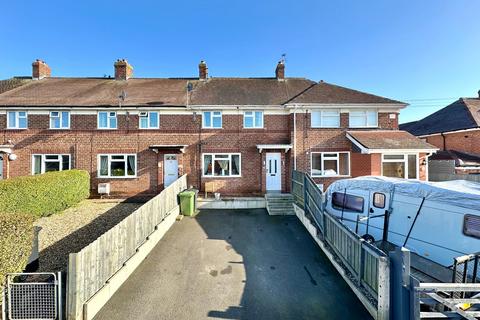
{"x": 377, "y": 140}
{"x": 326, "y": 93}
{"x": 459, "y": 193}
{"x": 97, "y": 92}
{"x": 461, "y": 114}
{"x": 9, "y": 84}
{"x": 141, "y": 92}
{"x": 461, "y": 159}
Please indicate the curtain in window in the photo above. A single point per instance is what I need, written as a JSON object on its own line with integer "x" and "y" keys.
{"x": 131, "y": 166}
{"x": 207, "y": 165}
{"x": 37, "y": 164}
{"x": 104, "y": 165}
{"x": 224, "y": 165}
{"x": 235, "y": 165}
{"x": 258, "y": 119}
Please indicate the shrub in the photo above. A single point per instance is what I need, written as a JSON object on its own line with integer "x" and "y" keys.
{"x": 15, "y": 242}
{"x": 45, "y": 194}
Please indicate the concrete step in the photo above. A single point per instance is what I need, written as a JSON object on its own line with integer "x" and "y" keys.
{"x": 280, "y": 203}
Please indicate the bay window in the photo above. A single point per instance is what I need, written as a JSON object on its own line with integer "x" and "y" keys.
{"x": 59, "y": 120}
{"x": 253, "y": 119}
{"x": 107, "y": 120}
{"x": 328, "y": 164}
{"x": 221, "y": 165}
{"x": 17, "y": 120}
{"x": 325, "y": 118}
{"x": 403, "y": 166}
{"x": 117, "y": 165}
{"x": 363, "y": 118}
{"x": 42, "y": 163}
{"x": 212, "y": 119}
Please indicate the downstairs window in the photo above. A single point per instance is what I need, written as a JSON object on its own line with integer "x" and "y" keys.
{"x": 221, "y": 165}
{"x": 117, "y": 166}
{"x": 42, "y": 163}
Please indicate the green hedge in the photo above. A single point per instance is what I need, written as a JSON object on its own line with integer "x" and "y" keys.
{"x": 16, "y": 238}
{"x": 45, "y": 194}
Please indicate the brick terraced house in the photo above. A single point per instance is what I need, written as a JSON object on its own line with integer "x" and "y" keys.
{"x": 241, "y": 135}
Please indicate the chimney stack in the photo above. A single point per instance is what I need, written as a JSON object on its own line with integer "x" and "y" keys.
{"x": 123, "y": 70}
{"x": 40, "y": 70}
{"x": 280, "y": 70}
{"x": 202, "y": 70}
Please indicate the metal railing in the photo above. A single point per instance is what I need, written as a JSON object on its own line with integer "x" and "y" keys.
{"x": 365, "y": 262}
{"x": 32, "y": 296}
{"x": 91, "y": 268}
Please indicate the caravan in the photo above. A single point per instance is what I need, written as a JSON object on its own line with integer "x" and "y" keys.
{"x": 438, "y": 221}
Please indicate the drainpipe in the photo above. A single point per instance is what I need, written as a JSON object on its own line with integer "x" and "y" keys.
{"x": 426, "y": 165}
{"x": 295, "y": 138}
{"x": 444, "y": 142}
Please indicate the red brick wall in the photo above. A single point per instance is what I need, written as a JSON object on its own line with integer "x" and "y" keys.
{"x": 84, "y": 142}
{"x": 467, "y": 141}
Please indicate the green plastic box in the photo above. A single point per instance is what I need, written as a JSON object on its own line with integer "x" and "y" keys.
{"x": 187, "y": 203}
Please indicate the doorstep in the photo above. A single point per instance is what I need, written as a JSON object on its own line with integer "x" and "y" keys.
{"x": 232, "y": 203}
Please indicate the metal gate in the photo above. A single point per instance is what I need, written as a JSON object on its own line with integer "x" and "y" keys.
{"x": 32, "y": 296}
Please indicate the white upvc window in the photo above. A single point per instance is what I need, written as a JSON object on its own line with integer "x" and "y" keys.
{"x": 117, "y": 165}
{"x": 107, "y": 120}
{"x": 148, "y": 120}
{"x": 59, "y": 120}
{"x": 17, "y": 120}
{"x": 253, "y": 119}
{"x": 328, "y": 118}
{"x": 329, "y": 164}
{"x": 403, "y": 166}
{"x": 42, "y": 163}
{"x": 212, "y": 119}
{"x": 221, "y": 165}
{"x": 367, "y": 118}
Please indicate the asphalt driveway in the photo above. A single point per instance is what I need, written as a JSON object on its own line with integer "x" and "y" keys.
{"x": 235, "y": 264}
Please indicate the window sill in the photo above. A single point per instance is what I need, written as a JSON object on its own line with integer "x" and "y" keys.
{"x": 221, "y": 177}
{"x": 333, "y": 176}
{"x": 107, "y": 128}
{"x": 17, "y": 128}
{"x": 59, "y": 129}
{"x": 209, "y": 128}
{"x": 129, "y": 177}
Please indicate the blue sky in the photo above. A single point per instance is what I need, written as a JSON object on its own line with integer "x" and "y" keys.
{"x": 424, "y": 52}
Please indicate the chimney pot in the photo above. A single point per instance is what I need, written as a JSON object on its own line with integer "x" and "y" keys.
{"x": 40, "y": 70}
{"x": 123, "y": 70}
{"x": 280, "y": 70}
{"x": 202, "y": 70}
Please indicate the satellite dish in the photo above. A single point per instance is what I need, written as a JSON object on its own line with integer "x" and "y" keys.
{"x": 189, "y": 87}
{"x": 123, "y": 95}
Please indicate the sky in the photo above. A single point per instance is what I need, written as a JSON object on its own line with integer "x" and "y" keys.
{"x": 426, "y": 53}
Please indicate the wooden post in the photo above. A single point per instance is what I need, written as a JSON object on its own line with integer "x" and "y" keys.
{"x": 383, "y": 288}
{"x": 72, "y": 293}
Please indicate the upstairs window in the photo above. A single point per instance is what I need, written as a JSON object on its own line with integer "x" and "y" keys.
{"x": 148, "y": 120}
{"x": 325, "y": 119}
{"x": 17, "y": 120}
{"x": 327, "y": 164}
{"x": 42, "y": 163}
{"x": 107, "y": 120}
{"x": 363, "y": 119}
{"x": 212, "y": 119}
{"x": 253, "y": 119}
{"x": 59, "y": 120}
{"x": 117, "y": 165}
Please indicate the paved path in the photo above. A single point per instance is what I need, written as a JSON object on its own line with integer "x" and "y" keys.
{"x": 240, "y": 264}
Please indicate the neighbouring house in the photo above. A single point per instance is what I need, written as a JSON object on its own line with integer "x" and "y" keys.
{"x": 238, "y": 135}
{"x": 455, "y": 130}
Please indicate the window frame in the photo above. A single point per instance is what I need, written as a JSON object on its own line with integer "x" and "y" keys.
{"x": 110, "y": 155}
{"x": 465, "y": 231}
{"x": 346, "y": 195}
{"x": 17, "y": 120}
{"x": 384, "y": 200}
{"x": 405, "y": 162}
{"x": 109, "y": 116}
{"x": 254, "y": 118}
{"x": 60, "y": 116}
{"x": 322, "y": 164}
{"x": 212, "y": 115}
{"x": 44, "y": 160}
{"x": 321, "y": 113}
{"x": 149, "y": 127}
{"x": 230, "y": 166}
{"x": 365, "y": 111}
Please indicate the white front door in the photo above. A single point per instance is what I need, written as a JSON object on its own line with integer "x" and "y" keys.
{"x": 170, "y": 171}
{"x": 274, "y": 172}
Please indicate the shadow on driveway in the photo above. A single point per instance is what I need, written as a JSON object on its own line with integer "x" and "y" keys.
{"x": 235, "y": 264}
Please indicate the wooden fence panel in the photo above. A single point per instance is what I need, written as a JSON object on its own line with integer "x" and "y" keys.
{"x": 90, "y": 269}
